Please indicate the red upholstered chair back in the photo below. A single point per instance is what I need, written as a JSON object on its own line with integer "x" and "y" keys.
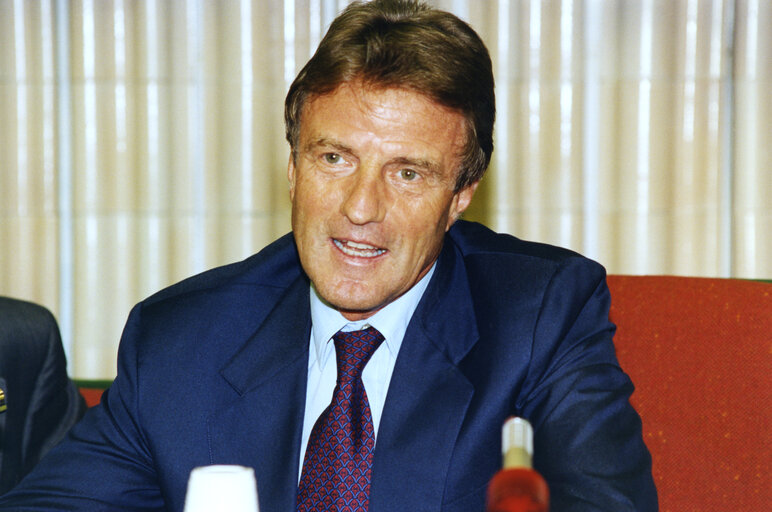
{"x": 700, "y": 354}
{"x": 91, "y": 395}
{"x": 92, "y": 390}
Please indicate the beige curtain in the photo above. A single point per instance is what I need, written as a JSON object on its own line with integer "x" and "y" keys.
{"x": 142, "y": 141}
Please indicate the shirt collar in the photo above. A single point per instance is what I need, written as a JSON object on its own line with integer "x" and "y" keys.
{"x": 391, "y": 320}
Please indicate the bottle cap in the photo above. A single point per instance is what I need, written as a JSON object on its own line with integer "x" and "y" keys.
{"x": 517, "y": 442}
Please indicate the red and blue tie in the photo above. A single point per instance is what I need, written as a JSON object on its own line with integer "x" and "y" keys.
{"x": 339, "y": 457}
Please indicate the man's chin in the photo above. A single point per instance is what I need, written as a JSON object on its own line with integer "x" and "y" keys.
{"x": 356, "y": 310}
{"x": 352, "y": 309}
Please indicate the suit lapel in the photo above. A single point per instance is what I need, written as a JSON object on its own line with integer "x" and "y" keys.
{"x": 262, "y": 426}
{"x": 428, "y": 395}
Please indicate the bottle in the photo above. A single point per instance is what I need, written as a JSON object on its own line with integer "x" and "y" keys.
{"x": 517, "y": 487}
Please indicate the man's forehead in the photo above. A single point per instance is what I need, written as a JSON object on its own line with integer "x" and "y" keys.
{"x": 363, "y": 91}
{"x": 388, "y": 114}
{"x": 380, "y": 102}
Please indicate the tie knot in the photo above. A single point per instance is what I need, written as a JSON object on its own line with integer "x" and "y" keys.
{"x": 354, "y": 348}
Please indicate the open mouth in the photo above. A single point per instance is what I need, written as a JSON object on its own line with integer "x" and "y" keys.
{"x": 357, "y": 249}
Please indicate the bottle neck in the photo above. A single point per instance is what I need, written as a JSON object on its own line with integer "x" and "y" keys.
{"x": 517, "y": 457}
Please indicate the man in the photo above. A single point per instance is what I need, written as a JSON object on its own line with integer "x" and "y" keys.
{"x": 368, "y": 360}
{"x": 38, "y": 402}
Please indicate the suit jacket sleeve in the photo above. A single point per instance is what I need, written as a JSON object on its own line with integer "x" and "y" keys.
{"x": 588, "y": 441}
{"x": 43, "y": 403}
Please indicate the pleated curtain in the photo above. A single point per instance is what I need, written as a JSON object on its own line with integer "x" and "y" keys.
{"x": 142, "y": 141}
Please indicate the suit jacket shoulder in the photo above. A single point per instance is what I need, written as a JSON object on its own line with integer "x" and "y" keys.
{"x": 477, "y": 241}
{"x": 275, "y": 266}
{"x": 223, "y": 305}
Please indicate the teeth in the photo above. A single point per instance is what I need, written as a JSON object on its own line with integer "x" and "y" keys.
{"x": 357, "y": 245}
{"x": 358, "y": 249}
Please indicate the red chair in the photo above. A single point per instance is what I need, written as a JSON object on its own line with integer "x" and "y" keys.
{"x": 700, "y": 354}
{"x": 92, "y": 390}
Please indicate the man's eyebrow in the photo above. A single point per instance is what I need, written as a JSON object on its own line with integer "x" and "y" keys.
{"x": 324, "y": 142}
{"x": 429, "y": 165}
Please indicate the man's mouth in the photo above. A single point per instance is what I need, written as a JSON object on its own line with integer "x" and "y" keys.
{"x": 357, "y": 249}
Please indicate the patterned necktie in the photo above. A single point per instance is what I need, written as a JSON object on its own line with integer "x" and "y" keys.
{"x": 339, "y": 457}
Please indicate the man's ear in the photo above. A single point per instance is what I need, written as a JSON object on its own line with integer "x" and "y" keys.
{"x": 460, "y": 202}
{"x": 291, "y": 176}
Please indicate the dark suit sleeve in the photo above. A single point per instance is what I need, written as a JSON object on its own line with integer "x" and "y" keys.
{"x": 588, "y": 442}
{"x": 104, "y": 463}
{"x": 43, "y": 403}
{"x": 55, "y": 405}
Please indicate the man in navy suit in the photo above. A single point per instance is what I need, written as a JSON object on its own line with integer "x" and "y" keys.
{"x": 390, "y": 126}
{"x": 38, "y": 401}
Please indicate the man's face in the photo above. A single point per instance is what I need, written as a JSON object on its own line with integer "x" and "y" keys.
{"x": 372, "y": 192}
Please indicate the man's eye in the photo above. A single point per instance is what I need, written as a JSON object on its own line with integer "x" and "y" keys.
{"x": 408, "y": 174}
{"x": 332, "y": 158}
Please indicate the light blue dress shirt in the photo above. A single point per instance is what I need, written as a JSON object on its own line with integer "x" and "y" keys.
{"x": 391, "y": 321}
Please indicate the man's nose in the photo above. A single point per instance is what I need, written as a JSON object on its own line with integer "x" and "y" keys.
{"x": 364, "y": 201}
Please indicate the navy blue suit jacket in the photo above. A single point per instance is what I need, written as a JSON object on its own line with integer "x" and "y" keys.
{"x": 213, "y": 371}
